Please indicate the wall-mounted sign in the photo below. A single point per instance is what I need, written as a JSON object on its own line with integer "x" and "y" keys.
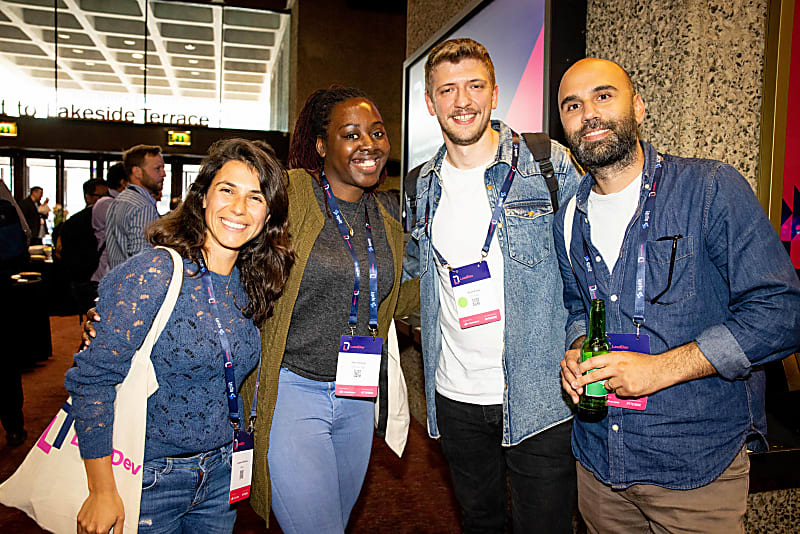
{"x": 179, "y": 138}
{"x": 8, "y": 129}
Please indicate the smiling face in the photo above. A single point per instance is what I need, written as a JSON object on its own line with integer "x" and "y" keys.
{"x": 600, "y": 113}
{"x": 235, "y": 212}
{"x": 356, "y": 148}
{"x": 462, "y": 99}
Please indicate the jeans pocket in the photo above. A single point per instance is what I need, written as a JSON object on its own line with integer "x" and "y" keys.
{"x": 152, "y": 472}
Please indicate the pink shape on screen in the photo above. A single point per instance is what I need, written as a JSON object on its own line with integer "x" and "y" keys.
{"x": 525, "y": 113}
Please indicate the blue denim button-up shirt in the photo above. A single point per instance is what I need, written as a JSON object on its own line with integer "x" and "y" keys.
{"x": 534, "y": 311}
{"x": 734, "y": 292}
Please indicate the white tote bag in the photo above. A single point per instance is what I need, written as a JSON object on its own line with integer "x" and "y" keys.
{"x": 50, "y": 485}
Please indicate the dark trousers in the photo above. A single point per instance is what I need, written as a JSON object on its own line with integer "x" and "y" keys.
{"x": 14, "y": 352}
{"x": 541, "y": 471}
{"x": 11, "y": 399}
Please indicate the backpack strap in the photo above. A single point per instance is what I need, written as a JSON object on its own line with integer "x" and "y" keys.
{"x": 539, "y": 145}
{"x": 410, "y": 201}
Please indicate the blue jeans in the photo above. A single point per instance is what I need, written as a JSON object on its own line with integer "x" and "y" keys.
{"x": 319, "y": 448}
{"x": 187, "y": 495}
{"x": 541, "y": 471}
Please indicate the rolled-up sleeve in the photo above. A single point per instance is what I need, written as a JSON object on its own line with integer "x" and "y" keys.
{"x": 764, "y": 305}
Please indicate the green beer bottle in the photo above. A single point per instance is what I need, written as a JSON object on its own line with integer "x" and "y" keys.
{"x": 592, "y": 405}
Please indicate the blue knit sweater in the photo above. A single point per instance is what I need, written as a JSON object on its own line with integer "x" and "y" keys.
{"x": 189, "y": 412}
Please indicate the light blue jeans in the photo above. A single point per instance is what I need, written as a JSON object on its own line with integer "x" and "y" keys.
{"x": 187, "y": 495}
{"x": 319, "y": 448}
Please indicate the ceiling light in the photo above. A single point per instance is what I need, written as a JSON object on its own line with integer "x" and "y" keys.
{"x": 195, "y": 73}
{"x": 90, "y": 63}
{"x": 137, "y": 56}
{"x": 129, "y": 42}
{"x": 193, "y": 62}
{"x": 77, "y": 50}
{"x": 142, "y": 68}
{"x": 190, "y": 47}
{"x": 63, "y": 36}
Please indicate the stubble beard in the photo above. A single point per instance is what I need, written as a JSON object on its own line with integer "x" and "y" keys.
{"x": 464, "y": 140}
{"x": 618, "y": 149}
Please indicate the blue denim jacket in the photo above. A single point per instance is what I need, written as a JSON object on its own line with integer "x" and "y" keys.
{"x": 734, "y": 292}
{"x": 534, "y": 311}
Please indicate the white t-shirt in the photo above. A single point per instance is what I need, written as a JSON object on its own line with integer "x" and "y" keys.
{"x": 609, "y": 216}
{"x": 470, "y": 365}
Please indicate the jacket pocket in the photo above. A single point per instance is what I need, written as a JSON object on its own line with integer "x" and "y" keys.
{"x": 660, "y": 261}
{"x": 529, "y": 230}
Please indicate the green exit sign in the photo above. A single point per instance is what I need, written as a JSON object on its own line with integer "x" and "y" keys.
{"x": 179, "y": 138}
{"x": 8, "y": 129}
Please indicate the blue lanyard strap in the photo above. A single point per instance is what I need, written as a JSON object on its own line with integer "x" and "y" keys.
{"x": 641, "y": 250}
{"x": 373, "y": 266}
{"x": 498, "y": 207}
{"x": 230, "y": 377}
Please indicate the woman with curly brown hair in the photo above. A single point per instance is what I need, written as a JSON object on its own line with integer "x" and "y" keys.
{"x": 232, "y": 232}
{"x": 342, "y": 293}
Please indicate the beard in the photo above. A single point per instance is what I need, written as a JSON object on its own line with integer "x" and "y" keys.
{"x": 464, "y": 138}
{"x": 617, "y": 148}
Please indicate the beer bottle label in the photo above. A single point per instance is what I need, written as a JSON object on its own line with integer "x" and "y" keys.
{"x": 595, "y": 389}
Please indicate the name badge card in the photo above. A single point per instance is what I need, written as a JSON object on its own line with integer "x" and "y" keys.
{"x": 241, "y": 466}
{"x": 358, "y": 366}
{"x": 629, "y": 342}
{"x": 476, "y": 299}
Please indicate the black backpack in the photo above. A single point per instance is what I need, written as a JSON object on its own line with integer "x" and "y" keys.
{"x": 79, "y": 253}
{"x": 538, "y": 144}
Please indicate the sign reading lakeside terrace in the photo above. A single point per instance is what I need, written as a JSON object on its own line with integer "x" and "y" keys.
{"x": 141, "y": 115}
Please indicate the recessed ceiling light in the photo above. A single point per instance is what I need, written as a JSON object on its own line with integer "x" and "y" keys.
{"x": 190, "y": 47}
{"x": 77, "y": 50}
{"x": 193, "y": 61}
{"x": 195, "y": 73}
{"x": 90, "y": 63}
{"x": 142, "y": 68}
{"x": 129, "y": 42}
{"x": 63, "y": 36}
{"x": 137, "y": 56}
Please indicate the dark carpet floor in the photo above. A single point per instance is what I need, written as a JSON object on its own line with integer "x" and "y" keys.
{"x": 400, "y": 495}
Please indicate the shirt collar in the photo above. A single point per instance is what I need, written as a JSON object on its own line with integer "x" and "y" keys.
{"x": 648, "y": 171}
{"x": 144, "y": 192}
{"x": 504, "y": 150}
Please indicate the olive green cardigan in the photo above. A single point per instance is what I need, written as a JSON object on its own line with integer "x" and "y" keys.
{"x": 305, "y": 223}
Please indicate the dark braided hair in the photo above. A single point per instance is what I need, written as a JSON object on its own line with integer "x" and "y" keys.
{"x": 312, "y": 123}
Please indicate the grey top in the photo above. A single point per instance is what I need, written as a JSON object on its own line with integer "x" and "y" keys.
{"x": 322, "y": 309}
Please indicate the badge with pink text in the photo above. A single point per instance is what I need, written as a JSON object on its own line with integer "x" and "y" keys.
{"x": 241, "y": 466}
{"x": 358, "y": 366}
{"x": 476, "y": 299}
{"x": 630, "y": 343}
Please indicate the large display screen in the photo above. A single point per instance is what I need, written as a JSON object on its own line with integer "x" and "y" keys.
{"x": 514, "y": 33}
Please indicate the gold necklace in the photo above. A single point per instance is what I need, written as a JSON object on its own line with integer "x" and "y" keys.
{"x": 355, "y": 217}
{"x": 227, "y": 292}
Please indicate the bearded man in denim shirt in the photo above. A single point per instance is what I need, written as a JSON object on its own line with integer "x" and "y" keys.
{"x": 684, "y": 256}
{"x": 491, "y": 348}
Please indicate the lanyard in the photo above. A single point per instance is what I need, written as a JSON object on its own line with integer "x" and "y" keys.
{"x": 641, "y": 251}
{"x": 498, "y": 207}
{"x": 373, "y": 266}
{"x": 230, "y": 378}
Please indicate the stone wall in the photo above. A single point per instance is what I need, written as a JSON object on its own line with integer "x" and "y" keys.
{"x": 698, "y": 65}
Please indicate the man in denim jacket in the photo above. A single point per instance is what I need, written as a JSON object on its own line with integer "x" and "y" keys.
{"x": 492, "y": 389}
{"x": 718, "y": 298}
